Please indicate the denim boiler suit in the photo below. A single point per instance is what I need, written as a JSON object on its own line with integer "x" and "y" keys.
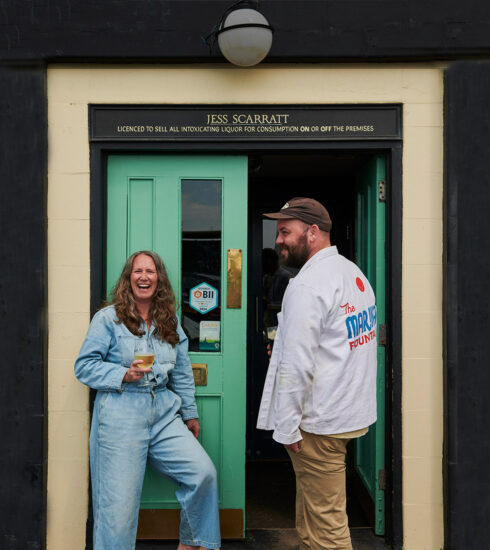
{"x": 133, "y": 423}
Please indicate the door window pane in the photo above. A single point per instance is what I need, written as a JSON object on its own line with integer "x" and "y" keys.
{"x": 201, "y": 263}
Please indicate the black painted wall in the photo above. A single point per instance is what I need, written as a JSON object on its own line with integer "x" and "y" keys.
{"x": 305, "y": 29}
{"x": 22, "y": 306}
{"x": 467, "y": 306}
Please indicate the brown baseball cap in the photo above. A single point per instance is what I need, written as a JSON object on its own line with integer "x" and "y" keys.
{"x": 307, "y": 210}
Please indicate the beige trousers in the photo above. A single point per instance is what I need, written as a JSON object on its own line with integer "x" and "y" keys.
{"x": 321, "y": 517}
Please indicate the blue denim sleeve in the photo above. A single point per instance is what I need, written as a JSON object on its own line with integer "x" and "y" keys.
{"x": 91, "y": 366}
{"x": 181, "y": 379}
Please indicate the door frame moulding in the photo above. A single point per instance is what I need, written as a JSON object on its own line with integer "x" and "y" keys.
{"x": 393, "y": 151}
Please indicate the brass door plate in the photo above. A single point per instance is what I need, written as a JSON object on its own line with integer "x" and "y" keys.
{"x": 234, "y": 279}
{"x": 200, "y": 372}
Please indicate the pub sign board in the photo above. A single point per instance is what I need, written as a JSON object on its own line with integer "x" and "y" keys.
{"x": 245, "y": 122}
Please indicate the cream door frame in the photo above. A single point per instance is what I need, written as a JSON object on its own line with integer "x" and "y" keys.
{"x": 419, "y": 87}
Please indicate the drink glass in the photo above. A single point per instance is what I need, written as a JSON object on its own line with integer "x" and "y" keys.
{"x": 271, "y": 335}
{"x": 143, "y": 351}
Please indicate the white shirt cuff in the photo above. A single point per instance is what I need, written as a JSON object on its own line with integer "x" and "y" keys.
{"x": 287, "y": 439}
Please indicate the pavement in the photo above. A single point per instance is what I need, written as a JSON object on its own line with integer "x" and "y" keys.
{"x": 270, "y": 514}
{"x": 275, "y": 539}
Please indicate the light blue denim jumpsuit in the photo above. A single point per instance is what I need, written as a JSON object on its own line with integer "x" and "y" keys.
{"x": 133, "y": 423}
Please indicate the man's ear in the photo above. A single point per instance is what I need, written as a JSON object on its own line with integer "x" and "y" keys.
{"x": 314, "y": 232}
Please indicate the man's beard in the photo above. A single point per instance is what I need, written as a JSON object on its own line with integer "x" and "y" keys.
{"x": 297, "y": 254}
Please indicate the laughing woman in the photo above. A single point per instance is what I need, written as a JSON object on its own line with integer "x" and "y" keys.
{"x": 144, "y": 414}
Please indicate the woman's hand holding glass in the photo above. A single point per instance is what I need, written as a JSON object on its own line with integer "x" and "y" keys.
{"x": 144, "y": 356}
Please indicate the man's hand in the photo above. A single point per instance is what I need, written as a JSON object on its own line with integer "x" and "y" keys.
{"x": 193, "y": 425}
{"x": 294, "y": 447}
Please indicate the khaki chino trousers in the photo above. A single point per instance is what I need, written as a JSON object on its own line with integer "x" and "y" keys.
{"x": 321, "y": 517}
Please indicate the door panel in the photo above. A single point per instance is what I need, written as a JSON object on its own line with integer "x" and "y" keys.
{"x": 370, "y": 256}
{"x": 170, "y": 204}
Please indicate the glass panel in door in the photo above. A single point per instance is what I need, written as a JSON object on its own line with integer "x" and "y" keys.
{"x": 201, "y": 263}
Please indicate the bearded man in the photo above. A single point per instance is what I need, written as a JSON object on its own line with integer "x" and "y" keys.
{"x": 320, "y": 389}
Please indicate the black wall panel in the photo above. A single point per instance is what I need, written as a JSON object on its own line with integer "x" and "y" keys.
{"x": 467, "y": 305}
{"x": 22, "y": 306}
{"x": 307, "y": 29}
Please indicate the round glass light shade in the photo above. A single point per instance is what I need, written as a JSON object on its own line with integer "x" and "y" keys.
{"x": 245, "y": 46}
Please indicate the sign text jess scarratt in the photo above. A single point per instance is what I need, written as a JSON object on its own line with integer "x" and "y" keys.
{"x": 244, "y": 118}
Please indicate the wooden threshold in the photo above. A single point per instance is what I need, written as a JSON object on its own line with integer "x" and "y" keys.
{"x": 164, "y": 524}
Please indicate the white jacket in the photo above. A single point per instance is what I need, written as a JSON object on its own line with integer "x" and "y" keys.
{"x": 322, "y": 373}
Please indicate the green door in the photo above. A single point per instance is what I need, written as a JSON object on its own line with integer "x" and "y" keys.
{"x": 370, "y": 256}
{"x": 192, "y": 210}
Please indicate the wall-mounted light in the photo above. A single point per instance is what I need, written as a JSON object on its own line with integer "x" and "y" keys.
{"x": 243, "y": 33}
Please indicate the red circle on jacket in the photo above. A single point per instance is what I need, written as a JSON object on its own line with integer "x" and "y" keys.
{"x": 360, "y": 284}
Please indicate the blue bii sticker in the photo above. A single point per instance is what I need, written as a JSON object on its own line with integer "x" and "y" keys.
{"x": 203, "y": 298}
{"x": 209, "y": 336}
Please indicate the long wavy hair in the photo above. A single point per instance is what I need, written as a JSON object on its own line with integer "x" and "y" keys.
{"x": 163, "y": 306}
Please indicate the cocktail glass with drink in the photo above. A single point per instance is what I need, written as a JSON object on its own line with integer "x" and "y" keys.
{"x": 143, "y": 351}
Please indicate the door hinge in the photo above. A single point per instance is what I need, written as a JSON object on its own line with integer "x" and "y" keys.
{"x": 382, "y": 190}
{"x": 382, "y": 479}
{"x": 382, "y": 335}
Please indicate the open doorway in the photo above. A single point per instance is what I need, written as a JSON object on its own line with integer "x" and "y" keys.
{"x": 337, "y": 179}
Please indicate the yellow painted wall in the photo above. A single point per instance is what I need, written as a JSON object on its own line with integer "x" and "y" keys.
{"x": 418, "y": 87}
